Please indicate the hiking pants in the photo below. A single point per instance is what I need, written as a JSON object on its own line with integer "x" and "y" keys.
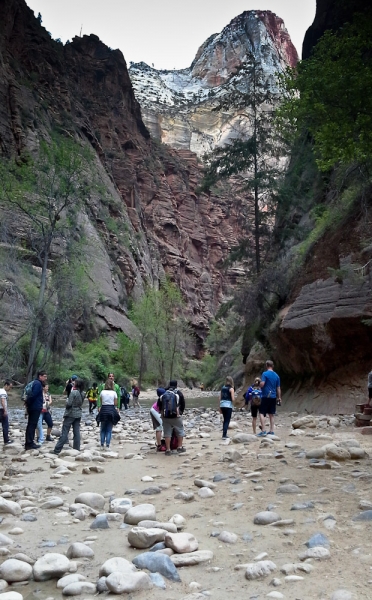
{"x": 67, "y": 422}
{"x": 4, "y": 420}
{"x": 226, "y": 413}
{"x": 33, "y": 417}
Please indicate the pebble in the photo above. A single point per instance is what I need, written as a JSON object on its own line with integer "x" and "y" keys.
{"x": 120, "y": 505}
{"x": 227, "y": 537}
{"x": 181, "y": 542}
{"x": 67, "y": 579}
{"x": 266, "y": 517}
{"x": 205, "y": 492}
{"x": 7, "y": 506}
{"x": 79, "y": 550}
{"x": 50, "y": 566}
{"x": 259, "y": 570}
{"x": 317, "y": 552}
{"x": 96, "y": 501}
{"x": 141, "y": 537}
{"x": 191, "y": 558}
{"x": 79, "y": 587}
{"x": 100, "y": 522}
{"x": 117, "y": 563}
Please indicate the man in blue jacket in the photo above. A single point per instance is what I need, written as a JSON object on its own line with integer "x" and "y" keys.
{"x": 271, "y": 394}
{"x": 34, "y": 404}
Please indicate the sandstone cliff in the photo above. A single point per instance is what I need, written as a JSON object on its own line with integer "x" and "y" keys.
{"x": 177, "y": 106}
{"x": 146, "y": 220}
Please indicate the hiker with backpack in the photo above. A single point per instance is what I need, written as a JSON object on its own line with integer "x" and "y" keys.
{"x": 92, "y": 395}
{"x": 135, "y": 394}
{"x": 72, "y": 417}
{"x": 226, "y": 404}
{"x": 271, "y": 396}
{"x": 253, "y": 396}
{"x": 171, "y": 405}
{"x": 124, "y": 398}
{"x": 34, "y": 400}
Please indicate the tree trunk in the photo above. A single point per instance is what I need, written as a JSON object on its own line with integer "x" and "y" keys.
{"x": 38, "y": 318}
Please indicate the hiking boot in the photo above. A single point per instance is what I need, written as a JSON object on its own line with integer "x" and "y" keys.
{"x": 271, "y": 433}
{"x": 168, "y": 452}
{"x": 181, "y": 449}
{"x": 262, "y": 434}
{"x": 32, "y": 447}
{"x": 49, "y": 438}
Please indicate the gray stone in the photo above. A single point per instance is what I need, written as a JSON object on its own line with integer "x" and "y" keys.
{"x": 303, "y": 505}
{"x": 260, "y": 569}
{"x": 158, "y": 580}
{"x": 150, "y": 491}
{"x": 139, "y": 513}
{"x": 318, "y": 539}
{"x": 13, "y": 570}
{"x": 125, "y": 583}
{"x": 50, "y": 566}
{"x": 186, "y": 496}
{"x": 96, "y": 501}
{"x": 28, "y": 517}
{"x": 244, "y": 438}
{"x": 100, "y": 522}
{"x": 366, "y": 515}
{"x": 231, "y": 456}
{"x": 316, "y": 453}
{"x": 205, "y": 492}
{"x": 79, "y": 550}
{"x": 171, "y": 527}
{"x": 317, "y": 552}
{"x": 5, "y": 540}
{"x": 157, "y": 563}
{"x": 200, "y": 483}
{"x": 79, "y": 587}
{"x": 142, "y": 537}
{"x": 220, "y": 477}
{"x": 266, "y": 517}
{"x": 101, "y": 585}
{"x": 52, "y": 502}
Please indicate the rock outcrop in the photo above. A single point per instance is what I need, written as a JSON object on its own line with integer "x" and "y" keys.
{"x": 177, "y": 106}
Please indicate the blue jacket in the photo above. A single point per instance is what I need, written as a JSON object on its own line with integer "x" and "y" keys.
{"x": 36, "y": 400}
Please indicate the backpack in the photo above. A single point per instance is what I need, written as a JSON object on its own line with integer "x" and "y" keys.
{"x": 247, "y": 394}
{"x": 27, "y": 392}
{"x": 170, "y": 409}
{"x": 256, "y": 397}
{"x": 136, "y": 391}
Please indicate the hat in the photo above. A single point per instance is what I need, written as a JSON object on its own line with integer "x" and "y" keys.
{"x": 173, "y": 383}
{"x": 73, "y": 377}
{"x": 160, "y": 391}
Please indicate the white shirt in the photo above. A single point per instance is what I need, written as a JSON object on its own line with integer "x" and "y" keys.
{"x": 3, "y": 399}
{"x": 108, "y": 397}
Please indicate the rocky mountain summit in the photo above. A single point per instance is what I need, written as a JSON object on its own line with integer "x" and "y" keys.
{"x": 177, "y": 106}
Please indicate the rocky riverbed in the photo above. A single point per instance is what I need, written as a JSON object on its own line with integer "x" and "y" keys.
{"x": 286, "y": 516}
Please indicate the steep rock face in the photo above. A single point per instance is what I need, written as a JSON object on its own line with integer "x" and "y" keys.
{"x": 177, "y": 106}
{"x": 148, "y": 221}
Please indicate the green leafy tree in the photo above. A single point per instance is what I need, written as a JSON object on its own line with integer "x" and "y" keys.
{"x": 329, "y": 95}
{"x": 250, "y": 161}
{"x": 45, "y": 195}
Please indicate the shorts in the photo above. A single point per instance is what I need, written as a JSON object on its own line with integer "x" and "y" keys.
{"x": 370, "y": 393}
{"x": 267, "y": 406}
{"x": 254, "y": 411}
{"x": 156, "y": 420}
{"x": 176, "y": 424}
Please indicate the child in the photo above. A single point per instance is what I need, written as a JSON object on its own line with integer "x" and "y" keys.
{"x": 254, "y": 395}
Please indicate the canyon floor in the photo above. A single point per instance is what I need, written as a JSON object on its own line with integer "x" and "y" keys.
{"x": 306, "y": 481}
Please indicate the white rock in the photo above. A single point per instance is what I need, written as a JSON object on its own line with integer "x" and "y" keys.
{"x": 11, "y": 596}
{"x": 191, "y": 558}
{"x": 274, "y": 595}
{"x": 179, "y": 521}
{"x": 117, "y": 563}
{"x": 244, "y": 438}
{"x": 266, "y": 517}
{"x": 259, "y": 570}
{"x": 139, "y": 513}
{"x": 181, "y": 542}
{"x": 120, "y": 505}
{"x": 79, "y": 587}
{"x": 96, "y": 501}
{"x": 67, "y": 579}
{"x": 5, "y": 540}
{"x": 293, "y": 578}
{"x": 50, "y": 566}
{"x": 204, "y": 483}
{"x": 79, "y": 550}
{"x": 227, "y": 537}
{"x": 141, "y": 537}
{"x": 124, "y": 583}
{"x": 205, "y": 492}
{"x": 52, "y": 502}
{"x": 318, "y": 552}
{"x": 7, "y": 506}
{"x": 231, "y": 456}
{"x": 171, "y": 527}
{"x": 13, "y": 570}
{"x": 3, "y": 585}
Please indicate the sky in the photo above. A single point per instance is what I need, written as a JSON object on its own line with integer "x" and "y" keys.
{"x": 165, "y": 33}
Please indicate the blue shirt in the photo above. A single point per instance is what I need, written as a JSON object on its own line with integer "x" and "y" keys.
{"x": 272, "y": 381}
{"x": 37, "y": 398}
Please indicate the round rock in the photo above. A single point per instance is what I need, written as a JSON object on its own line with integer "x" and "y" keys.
{"x": 91, "y": 499}
{"x": 260, "y": 569}
{"x": 266, "y": 517}
{"x": 13, "y": 570}
{"x": 79, "y": 587}
{"x": 139, "y": 513}
{"x": 125, "y": 583}
{"x": 79, "y": 550}
{"x": 141, "y": 537}
{"x": 50, "y": 566}
{"x": 181, "y": 542}
{"x": 117, "y": 563}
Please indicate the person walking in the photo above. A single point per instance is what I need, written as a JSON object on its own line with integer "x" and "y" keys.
{"x": 253, "y": 397}
{"x": 124, "y": 398}
{"x": 171, "y": 406}
{"x": 34, "y": 404}
{"x": 157, "y": 423}
{"x": 135, "y": 395}
{"x": 72, "y": 417}
{"x": 4, "y": 418}
{"x": 271, "y": 392}
{"x": 108, "y": 414}
{"x": 45, "y": 413}
{"x": 92, "y": 395}
{"x": 226, "y": 404}
{"x": 110, "y": 376}
{"x": 370, "y": 387}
